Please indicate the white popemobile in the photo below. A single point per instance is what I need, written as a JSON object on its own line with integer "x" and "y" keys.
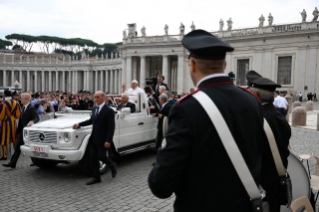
{"x": 55, "y": 141}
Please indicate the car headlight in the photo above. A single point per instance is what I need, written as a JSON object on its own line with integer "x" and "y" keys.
{"x": 25, "y": 134}
{"x": 67, "y": 137}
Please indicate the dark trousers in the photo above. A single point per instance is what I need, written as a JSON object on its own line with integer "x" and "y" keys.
{"x": 283, "y": 111}
{"x": 98, "y": 153}
{"x": 17, "y": 151}
{"x": 300, "y": 99}
{"x": 272, "y": 187}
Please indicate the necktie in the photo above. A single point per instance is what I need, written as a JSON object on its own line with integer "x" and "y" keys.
{"x": 97, "y": 112}
{"x": 23, "y": 110}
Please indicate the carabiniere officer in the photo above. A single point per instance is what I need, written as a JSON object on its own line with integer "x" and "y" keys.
{"x": 192, "y": 162}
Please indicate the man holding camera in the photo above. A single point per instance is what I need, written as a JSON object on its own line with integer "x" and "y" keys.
{"x": 160, "y": 83}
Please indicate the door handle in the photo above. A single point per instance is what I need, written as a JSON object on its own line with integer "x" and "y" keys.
{"x": 141, "y": 123}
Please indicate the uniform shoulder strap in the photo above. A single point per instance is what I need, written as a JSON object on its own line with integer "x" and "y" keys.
{"x": 274, "y": 149}
{"x": 229, "y": 144}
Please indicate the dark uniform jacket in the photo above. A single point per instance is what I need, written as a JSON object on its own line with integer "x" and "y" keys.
{"x": 83, "y": 105}
{"x": 282, "y": 133}
{"x": 103, "y": 126}
{"x": 194, "y": 164}
{"x": 164, "y": 111}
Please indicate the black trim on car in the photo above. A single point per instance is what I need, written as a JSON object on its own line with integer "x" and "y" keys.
{"x": 133, "y": 146}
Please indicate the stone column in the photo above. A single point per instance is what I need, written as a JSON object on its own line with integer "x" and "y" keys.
{"x": 267, "y": 65}
{"x": 106, "y": 81}
{"x": 76, "y": 81}
{"x": 101, "y": 81}
{"x": 36, "y": 81}
{"x": 111, "y": 82}
{"x": 20, "y": 78}
{"x": 312, "y": 66}
{"x": 302, "y": 56}
{"x": 121, "y": 81}
{"x": 12, "y": 77}
{"x": 50, "y": 81}
{"x": 165, "y": 67}
{"x": 142, "y": 72}
{"x": 96, "y": 81}
{"x": 4, "y": 78}
{"x": 28, "y": 80}
{"x": 87, "y": 80}
{"x": 123, "y": 76}
{"x": 258, "y": 61}
{"x": 134, "y": 73}
{"x": 180, "y": 74}
{"x": 70, "y": 81}
{"x": 56, "y": 80}
{"x": 63, "y": 81}
{"x": 43, "y": 80}
{"x": 128, "y": 72}
{"x": 116, "y": 81}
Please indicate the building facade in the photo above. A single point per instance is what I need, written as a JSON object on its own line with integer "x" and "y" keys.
{"x": 287, "y": 54}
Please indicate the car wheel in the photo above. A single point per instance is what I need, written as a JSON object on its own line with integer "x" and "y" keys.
{"x": 44, "y": 164}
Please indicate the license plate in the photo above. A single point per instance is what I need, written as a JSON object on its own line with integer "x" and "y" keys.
{"x": 40, "y": 154}
{"x": 39, "y": 148}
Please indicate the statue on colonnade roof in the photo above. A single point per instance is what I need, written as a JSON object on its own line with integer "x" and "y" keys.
{"x": 182, "y": 29}
{"x": 315, "y": 14}
{"x": 143, "y": 31}
{"x": 261, "y": 20}
{"x": 270, "y": 19}
{"x": 304, "y": 15}
{"x": 221, "y": 25}
{"x": 166, "y": 29}
{"x": 229, "y": 24}
{"x": 193, "y": 27}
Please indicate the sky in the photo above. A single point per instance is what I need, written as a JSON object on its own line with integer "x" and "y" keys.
{"x": 103, "y": 21}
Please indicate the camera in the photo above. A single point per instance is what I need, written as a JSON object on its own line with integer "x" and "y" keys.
{"x": 151, "y": 80}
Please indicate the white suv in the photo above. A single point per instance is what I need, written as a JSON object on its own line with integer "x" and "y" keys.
{"x": 55, "y": 141}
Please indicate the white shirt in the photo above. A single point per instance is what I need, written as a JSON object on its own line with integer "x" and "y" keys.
{"x": 8, "y": 98}
{"x": 134, "y": 92}
{"x": 100, "y": 107}
{"x": 300, "y": 95}
{"x": 209, "y": 77}
{"x": 280, "y": 102}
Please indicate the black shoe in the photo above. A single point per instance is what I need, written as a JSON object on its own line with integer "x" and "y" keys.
{"x": 3, "y": 158}
{"x": 114, "y": 171}
{"x": 9, "y": 165}
{"x": 32, "y": 164}
{"x": 154, "y": 163}
{"x": 93, "y": 181}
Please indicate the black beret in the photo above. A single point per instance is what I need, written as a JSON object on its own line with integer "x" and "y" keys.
{"x": 7, "y": 93}
{"x": 36, "y": 95}
{"x": 15, "y": 93}
{"x": 257, "y": 81}
{"x": 204, "y": 45}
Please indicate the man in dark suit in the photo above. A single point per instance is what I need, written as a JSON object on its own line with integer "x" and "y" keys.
{"x": 103, "y": 126}
{"x": 164, "y": 111}
{"x": 126, "y": 103}
{"x": 192, "y": 161}
{"x": 265, "y": 88}
{"x": 160, "y": 82}
{"x": 28, "y": 117}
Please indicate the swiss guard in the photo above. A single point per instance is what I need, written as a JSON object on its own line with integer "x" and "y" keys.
{"x": 9, "y": 112}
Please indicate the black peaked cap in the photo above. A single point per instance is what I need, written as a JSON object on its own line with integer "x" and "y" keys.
{"x": 15, "y": 93}
{"x": 7, "y": 93}
{"x": 255, "y": 80}
{"x": 204, "y": 45}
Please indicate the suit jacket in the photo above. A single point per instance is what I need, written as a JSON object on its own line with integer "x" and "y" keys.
{"x": 157, "y": 90}
{"x": 195, "y": 165}
{"x": 128, "y": 104}
{"x": 30, "y": 114}
{"x": 164, "y": 111}
{"x": 103, "y": 125}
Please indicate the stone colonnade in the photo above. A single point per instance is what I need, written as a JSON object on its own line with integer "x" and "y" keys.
{"x": 172, "y": 67}
{"x": 107, "y": 80}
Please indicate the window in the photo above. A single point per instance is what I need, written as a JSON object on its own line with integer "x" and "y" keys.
{"x": 242, "y": 69}
{"x": 284, "y": 70}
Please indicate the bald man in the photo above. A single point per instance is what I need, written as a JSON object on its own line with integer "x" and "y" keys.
{"x": 103, "y": 127}
{"x": 126, "y": 103}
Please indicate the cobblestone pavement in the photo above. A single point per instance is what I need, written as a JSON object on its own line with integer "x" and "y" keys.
{"x": 63, "y": 188}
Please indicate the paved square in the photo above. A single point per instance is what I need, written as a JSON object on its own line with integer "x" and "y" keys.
{"x": 63, "y": 188}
